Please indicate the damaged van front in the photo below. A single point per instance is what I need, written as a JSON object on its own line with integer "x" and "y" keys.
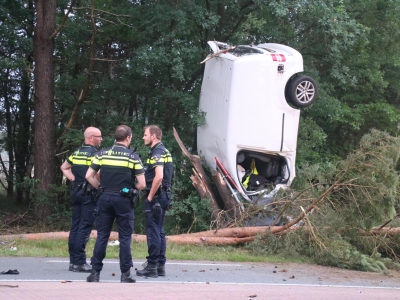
{"x": 251, "y": 97}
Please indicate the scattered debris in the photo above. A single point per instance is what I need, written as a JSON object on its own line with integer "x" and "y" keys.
{"x": 291, "y": 277}
{"x": 252, "y": 296}
{"x": 113, "y": 243}
{"x": 10, "y": 272}
{"x": 4, "y": 244}
{"x": 12, "y": 248}
{"x": 202, "y": 270}
{"x": 9, "y": 285}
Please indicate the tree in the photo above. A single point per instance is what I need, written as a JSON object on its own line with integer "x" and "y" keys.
{"x": 44, "y": 131}
{"x": 17, "y": 57}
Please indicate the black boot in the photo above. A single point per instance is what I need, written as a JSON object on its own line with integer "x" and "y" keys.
{"x": 82, "y": 268}
{"x": 150, "y": 270}
{"x": 93, "y": 277}
{"x": 126, "y": 277}
{"x": 71, "y": 267}
{"x": 161, "y": 270}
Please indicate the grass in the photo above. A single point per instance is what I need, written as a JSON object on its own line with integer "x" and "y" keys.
{"x": 59, "y": 248}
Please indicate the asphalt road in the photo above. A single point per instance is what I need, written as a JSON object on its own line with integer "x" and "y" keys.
{"x": 40, "y": 278}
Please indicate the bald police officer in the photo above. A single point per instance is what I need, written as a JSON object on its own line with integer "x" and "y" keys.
{"x": 74, "y": 169}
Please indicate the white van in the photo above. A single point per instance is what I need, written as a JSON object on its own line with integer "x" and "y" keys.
{"x": 251, "y": 97}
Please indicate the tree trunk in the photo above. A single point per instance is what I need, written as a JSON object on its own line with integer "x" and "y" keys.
{"x": 223, "y": 214}
{"x": 227, "y": 236}
{"x": 9, "y": 142}
{"x": 44, "y": 131}
{"x": 200, "y": 180}
{"x": 232, "y": 207}
{"x": 23, "y": 150}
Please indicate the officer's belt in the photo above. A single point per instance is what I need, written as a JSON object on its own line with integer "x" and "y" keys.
{"x": 110, "y": 190}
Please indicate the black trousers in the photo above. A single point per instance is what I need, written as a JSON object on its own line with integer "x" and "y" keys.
{"x": 155, "y": 234}
{"x": 82, "y": 221}
{"x": 113, "y": 206}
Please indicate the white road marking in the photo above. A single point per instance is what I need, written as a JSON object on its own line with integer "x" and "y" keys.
{"x": 168, "y": 263}
{"x": 221, "y": 283}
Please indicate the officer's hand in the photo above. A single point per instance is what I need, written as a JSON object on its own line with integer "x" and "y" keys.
{"x": 156, "y": 208}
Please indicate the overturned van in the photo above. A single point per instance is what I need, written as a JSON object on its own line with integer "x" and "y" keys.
{"x": 251, "y": 97}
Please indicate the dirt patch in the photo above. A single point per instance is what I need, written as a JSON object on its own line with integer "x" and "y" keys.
{"x": 338, "y": 276}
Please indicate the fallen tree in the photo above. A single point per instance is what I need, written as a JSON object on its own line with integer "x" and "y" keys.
{"x": 227, "y": 236}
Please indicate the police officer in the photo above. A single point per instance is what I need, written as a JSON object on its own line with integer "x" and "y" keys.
{"x": 159, "y": 170}
{"x": 74, "y": 168}
{"x": 119, "y": 167}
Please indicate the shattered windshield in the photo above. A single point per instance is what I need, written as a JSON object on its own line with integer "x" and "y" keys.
{"x": 244, "y": 50}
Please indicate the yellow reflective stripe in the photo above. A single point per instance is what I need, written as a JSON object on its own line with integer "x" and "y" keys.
{"x": 81, "y": 160}
{"x": 167, "y": 158}
{"x": 118, "y": 162}
{"x": 163, "y": 159}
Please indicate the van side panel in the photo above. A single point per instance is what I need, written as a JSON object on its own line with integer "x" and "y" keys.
{"x": 214, "y": 100}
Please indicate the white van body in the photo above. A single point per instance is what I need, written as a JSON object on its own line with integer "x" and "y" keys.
{"x": 246, "y": 111}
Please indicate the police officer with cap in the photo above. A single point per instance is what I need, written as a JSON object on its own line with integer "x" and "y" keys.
{"x": 74, "y": 168}
{"x": 119, "y": 166}
{"x": 159, "y": 171}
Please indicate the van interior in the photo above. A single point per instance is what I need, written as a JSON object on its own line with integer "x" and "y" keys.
{"x": 259, "y": 173}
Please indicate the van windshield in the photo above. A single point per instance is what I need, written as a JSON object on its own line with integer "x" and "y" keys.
{"x": 244, "y": 50}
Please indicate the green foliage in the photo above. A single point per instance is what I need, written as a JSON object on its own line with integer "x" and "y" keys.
{"x": 364, "y": 187}
{"x": 55, "y": 202}
{"x": 190, "y": 213}
{"x": 371, "y": 195}
{"x": 311, "y": 141}
{"x": 328, "y": 248}
{"x": 344, "y": 202}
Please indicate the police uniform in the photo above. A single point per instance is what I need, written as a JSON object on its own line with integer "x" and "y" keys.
{"x": 119, "y": 166}
{"x": 157, "y": 156}
{"x": 82, "y": 207}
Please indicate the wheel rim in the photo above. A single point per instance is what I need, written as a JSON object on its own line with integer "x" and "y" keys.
{"x": 305, "y": 92}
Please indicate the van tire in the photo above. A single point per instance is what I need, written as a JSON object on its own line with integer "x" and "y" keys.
{"x": 301, "y": 91}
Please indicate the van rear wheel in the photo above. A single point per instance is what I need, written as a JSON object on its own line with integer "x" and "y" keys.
{"x": 301, "y": 91}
